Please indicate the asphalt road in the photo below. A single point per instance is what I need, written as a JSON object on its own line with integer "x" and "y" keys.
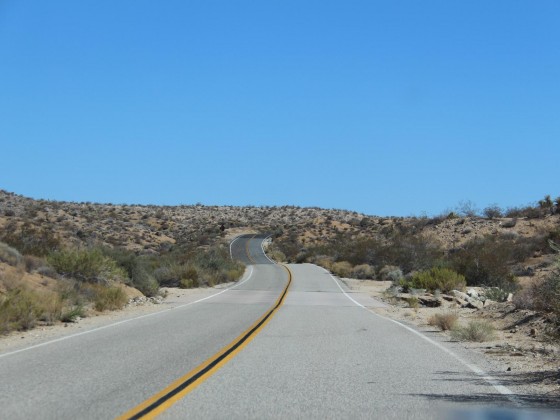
{"x": 104, "y": 373}
{"x": 322, "y": 354}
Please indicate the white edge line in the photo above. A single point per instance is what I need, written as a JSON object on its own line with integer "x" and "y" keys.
{"x": 127, "y": 320}
{"x": 230, "y": 245}
{"x": 508, "y": 393}
{"x": 262, "y": 247}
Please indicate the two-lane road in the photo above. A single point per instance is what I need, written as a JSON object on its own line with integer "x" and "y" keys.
{"x": 320, "y": 353}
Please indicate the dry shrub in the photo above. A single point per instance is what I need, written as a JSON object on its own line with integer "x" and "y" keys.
{"x": 478, "y": 331}
{"x": 19, "y": 310}
{"x": 342, "y": 268}
{"x": 391, "y": 273}
{"x": 444, "y": 321}
{"x": 108, "y": 298}
{"x": 436, "y": 278}
{"x": 9, "y": 255}
{"x": 363, "y": 271}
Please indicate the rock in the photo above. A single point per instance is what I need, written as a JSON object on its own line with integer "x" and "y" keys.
{"x": 533, "y": 332}
{"x": 460, "y": 295}
{"x": 472, "y": 293}
{"x": 447, "y": 298}
{"x": 509, "y": 297}
{"x": 489, "y": 302}
{"x": 473, "y": 304}
{"x": 429, "y": 301}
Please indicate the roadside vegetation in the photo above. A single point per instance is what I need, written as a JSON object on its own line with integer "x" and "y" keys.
{"x": 94, "y": 278}
{"x": 89, "y": 251}
{"x": 413, "y": 254}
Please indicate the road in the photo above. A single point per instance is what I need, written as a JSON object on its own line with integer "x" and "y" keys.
{"x": 319, "y": 351}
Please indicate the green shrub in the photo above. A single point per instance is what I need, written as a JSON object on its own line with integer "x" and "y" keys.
{"x": 436, "y": 278}
{"x": 88, "y": 265}
{"x": 478, "y": 331}
{"x": 72, "y": 313}
{"x": 496, "y": 294}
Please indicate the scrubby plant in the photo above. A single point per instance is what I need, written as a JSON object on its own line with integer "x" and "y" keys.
{"x": 444, "y": 321}
{"x": 108, "y": 298}
{"x": 492, "y": 212}
{"x": 436, "y": 278}
{"x": 72, "y": 313}
{"x": 10, "y": 255}
{"x": 88, "y": 265}
{"x": 30, "y": 239}
{"x": 496, "y": 294}
{"x": 342, "y": 269}
{"x": 486, "y": 262}
{"x": 19, "y": 310}
{"x": 391, "y": 273}
{"x": 477, "y": 331}
{"x": 363, "y": 271}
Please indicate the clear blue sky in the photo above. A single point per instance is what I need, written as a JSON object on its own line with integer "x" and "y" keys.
{"x": 383, "y": 107}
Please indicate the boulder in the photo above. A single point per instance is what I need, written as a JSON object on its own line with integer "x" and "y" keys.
{"x": 459, "y": 294}
{"x": 472, "y": 293}
{"x": 429, "y": 301}
{"x": 474, "y": 304}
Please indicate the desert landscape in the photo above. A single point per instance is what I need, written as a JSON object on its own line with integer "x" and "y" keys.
{"x": 153, "y": 258}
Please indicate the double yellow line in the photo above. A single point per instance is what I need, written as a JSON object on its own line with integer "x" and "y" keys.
{"x": 164, "y": 399}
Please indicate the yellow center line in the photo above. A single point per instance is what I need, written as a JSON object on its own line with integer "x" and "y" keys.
{"x": 247, "y": 250}
{"x": 164, "y": 399}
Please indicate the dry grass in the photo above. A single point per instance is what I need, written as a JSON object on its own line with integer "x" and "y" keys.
{"x": 444, "y": 321}
{"x": 478, "y": 331}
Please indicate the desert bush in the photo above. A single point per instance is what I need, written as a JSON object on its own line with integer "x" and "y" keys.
{"x": 530, "y": 212}
{"x": 138, "y": 269}
{"x": 108, "y": 298}
{"x": 72, "y": 313}
{"x": 478, "y": 331}
{"x": 215, "y": 266}
{"x": 524, "y": 298}
{"x": 496, "y": 294}
{"x": 492, "y": 212}
{"x": 33, "y": 263}
{"x": 486, "y": 262}
{"x": 342, "y": 268}
{"x": 444, "y": 321}
{"x": 88, "y": 265}
{"x": 391, "y": 273}
{"x": 10, "y": 255}
{"x": 546, "y": 294}
{"x": 410, "y": 252}
{"x": 363, "y": 271}
{"x": 30, "y": 239}
{"x": 20, "y": 309}
{"x": 436, "y": 278}
{"x": 276, "y": 255}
